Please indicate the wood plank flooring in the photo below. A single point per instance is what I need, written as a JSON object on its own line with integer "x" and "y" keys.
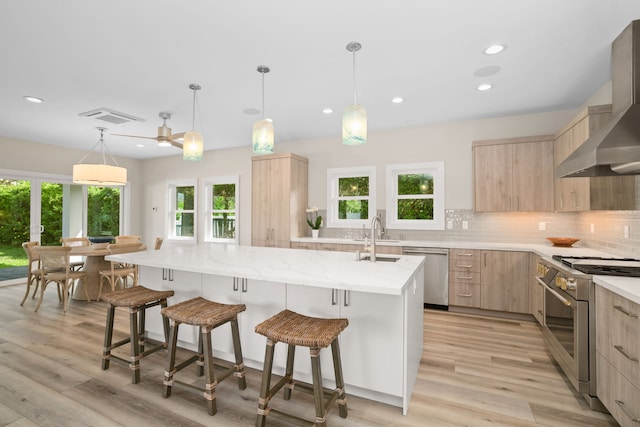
{"x": 475, "y": 371}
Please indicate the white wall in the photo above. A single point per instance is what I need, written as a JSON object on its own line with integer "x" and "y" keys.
{"x": 450, "y": 142}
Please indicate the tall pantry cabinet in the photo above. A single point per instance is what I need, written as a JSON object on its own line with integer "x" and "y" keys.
{"x": 278, "y": 199}
{"x": 589, "y": 193}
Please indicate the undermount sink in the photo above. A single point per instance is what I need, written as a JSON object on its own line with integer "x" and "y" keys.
{"x": 378, "y": 241}
{"x": 379, "y": 258}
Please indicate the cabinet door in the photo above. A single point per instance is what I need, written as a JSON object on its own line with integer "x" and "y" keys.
{"x": 260, "y": 202}
{"x": 493, "y": 173}
{"x": 504, "y": 281}
{"x": 279, "y": 203}
{"x": 186, "y": 285}
{"x": 533, "y": 176}
{"x": 536, "y": 291}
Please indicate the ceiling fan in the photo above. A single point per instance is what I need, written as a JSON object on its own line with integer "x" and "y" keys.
{"x": 165, "y": 138}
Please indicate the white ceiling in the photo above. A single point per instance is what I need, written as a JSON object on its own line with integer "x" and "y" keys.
{"x": 139, "y": 57}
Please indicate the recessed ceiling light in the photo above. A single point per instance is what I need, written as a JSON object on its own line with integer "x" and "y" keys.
{"x": 484, "y": 86}
{"x": 495, "y": 49}
{"x": 328, "y": 111}
{"x": 397, "y": 100}
{"x": 140, "y": 145}
{"x": 33, "y": 99}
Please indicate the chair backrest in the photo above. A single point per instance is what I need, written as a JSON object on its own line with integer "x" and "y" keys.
{"x": 158, "y": 244}
{"x": 54, "y": 257}
{"x": 121, "y": 248}
{"x": 32, "y": 255}
{"x": 75, "y": 241}
{"x": 128, "y": 239}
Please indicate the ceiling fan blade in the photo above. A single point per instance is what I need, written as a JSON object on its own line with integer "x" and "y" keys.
{"x": 155, "y": 138}
{"x": 176, "y": 144}
{"x": 177, "y": 136}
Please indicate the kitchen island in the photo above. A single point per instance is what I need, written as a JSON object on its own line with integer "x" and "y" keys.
{"x": 382, "y": 346}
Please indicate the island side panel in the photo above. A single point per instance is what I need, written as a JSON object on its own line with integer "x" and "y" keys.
{"x": 413, "y": 298}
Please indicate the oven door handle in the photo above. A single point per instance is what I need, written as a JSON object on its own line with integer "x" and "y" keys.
{"x": 554, "y": 293}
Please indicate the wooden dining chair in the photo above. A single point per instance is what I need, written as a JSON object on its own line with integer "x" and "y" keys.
{"x": 158, "y": 243}
{"x": 55, "y": 266}
{"x": 128, "y": 239}
{"x": 118, "y": 271}
{"x": 76, "y": 264}
{"x": 33, "y": 270}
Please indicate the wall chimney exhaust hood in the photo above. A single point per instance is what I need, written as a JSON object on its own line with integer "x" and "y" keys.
{"x": 615, "y": 148}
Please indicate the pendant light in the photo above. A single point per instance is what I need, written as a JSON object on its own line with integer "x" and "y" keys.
{"x": 99, "y": 173}
{"x": 192, "y": 145}
{"x": 262, "y": 137}
{"x": 354, "y": 118}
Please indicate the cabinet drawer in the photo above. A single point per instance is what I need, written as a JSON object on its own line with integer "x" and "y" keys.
{"x": 464, "y": 260}
{"x": 620, "y": 397}
{"x": 302, "y": 245}
{"x": 464, "y": 294}
{"x": 464, "y": 277}
{"x": 617, "y": 331}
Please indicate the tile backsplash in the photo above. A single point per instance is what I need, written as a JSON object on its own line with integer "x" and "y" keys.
{"x": 617, "y": 232}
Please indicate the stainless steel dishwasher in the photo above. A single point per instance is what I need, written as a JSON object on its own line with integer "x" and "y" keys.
{"x": 436, "y": 275}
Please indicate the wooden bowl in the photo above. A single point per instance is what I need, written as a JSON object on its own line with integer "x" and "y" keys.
{"x": 565, "y": 242}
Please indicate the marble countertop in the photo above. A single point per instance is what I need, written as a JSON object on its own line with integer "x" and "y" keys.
{"x": 328, "y": 269}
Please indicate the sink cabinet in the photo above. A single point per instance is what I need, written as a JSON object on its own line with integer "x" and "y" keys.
{"x": 278, "y": 199}
{"x": 514, "y": 174}
{"x": 596, "y": 193}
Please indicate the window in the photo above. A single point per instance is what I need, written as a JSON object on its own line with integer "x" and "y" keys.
{"x": 182, "y": 211}
{"x": 221, "y": 205}
{"x": 415, "y": 196}
{"x": 351, "y": 196}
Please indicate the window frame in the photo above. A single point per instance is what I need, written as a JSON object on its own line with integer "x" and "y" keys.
{"x": 172, "y": 211}
{"x": 333, "y": 175}
{"x": 207, "y": 185}
{"x": 433, "y": 168}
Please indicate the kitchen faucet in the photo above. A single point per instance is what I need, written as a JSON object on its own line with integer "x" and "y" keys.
{"x": 374, "y": 221}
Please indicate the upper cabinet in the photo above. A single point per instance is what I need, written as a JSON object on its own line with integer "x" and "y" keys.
{"x": 589, "y": 193}
{"x": 278, "y": 199}
{"x": 514, "y": 174}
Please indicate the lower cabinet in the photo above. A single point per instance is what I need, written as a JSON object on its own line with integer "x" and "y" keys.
{"x": 504, "y": 281}
{"x": 186, "y": 285}
{"x": 536, "y": 291}
{"x": 263, "y": 300}
{"x": 374, "y": 363}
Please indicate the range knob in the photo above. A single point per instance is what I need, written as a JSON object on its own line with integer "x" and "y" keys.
{"x": 542, "y": 270}
{"x": 561, "y": 282}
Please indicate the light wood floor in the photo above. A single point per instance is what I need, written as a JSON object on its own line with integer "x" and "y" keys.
{"x": 475, "y": 372}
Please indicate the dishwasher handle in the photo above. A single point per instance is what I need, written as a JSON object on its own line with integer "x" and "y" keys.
{"x": 408, "y": 250}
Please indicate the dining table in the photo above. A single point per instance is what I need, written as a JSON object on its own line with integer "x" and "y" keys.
{"x": 94, "y": 262}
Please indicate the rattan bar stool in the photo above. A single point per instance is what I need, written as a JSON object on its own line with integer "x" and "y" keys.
{"x": 316, "y": 333}
{"x": 207, "y": 315}
{"x": 137, "y": 299}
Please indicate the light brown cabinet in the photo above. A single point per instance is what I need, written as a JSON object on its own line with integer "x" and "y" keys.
{"x": 278, "y": 199}
{"x": 514, "y": 174}
{"x": 504, "y": 281}
{"x": 490, "y": 280}
{"x": 464, "y": 277}
{"x": 617, "y": 355}
{"x": 597, "y": 193}
{"x": 536, "y": 290}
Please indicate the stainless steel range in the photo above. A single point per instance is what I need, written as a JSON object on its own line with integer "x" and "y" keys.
{"x": 569, "y": 314}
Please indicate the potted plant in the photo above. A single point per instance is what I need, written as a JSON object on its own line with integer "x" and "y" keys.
{"x": 314, "y": 220}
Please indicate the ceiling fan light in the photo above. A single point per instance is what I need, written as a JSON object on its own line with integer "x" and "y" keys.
{"x": 164, "y": 144}
{"x": 354, "y": 125}
{"x": 99, "y": 174}
{"x": 263, "y": 136}
{"x": 192, "y": 146}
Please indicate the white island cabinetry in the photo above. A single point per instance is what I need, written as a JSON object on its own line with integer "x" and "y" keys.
{"x": 382, "y": 346}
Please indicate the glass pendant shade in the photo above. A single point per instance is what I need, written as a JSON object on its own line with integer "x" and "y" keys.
{"x": 99, "y": 174}
{"x": 192, "y": 146}
{"x": 263, "y": 137}
{"x": 354, "y": 125}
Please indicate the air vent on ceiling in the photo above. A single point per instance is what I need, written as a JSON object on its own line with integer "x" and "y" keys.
{"x": 111, "y": 116}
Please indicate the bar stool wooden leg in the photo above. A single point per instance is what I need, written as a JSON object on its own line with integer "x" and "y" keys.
{"x": 237, "y": 349}
{"x": 135, "y": 345}
{"x": 318, "y": 391}
{"x": 288, "y": 374}
{"x": 171, "y": 357}
{"x": 337, "y": 368}
{"x": 108, "y": 337}
{"x": 265, "y": 389}
{"x": 165, "y": 323}
{"x": 200, "y": 356}
{"x": 142, "y": 334}
{"x": 210, "y": 377}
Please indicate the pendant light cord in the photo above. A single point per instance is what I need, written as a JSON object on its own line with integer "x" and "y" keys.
{"x": 103, "y": 148}
{"x": 193, "y": 121}
{"x": 262, "y": 72}
{"x": 354, "y": 77}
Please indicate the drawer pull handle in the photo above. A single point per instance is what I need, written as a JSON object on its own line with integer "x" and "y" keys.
{"x": 626, "y": 411}
{"x": 464, "y": 266}
{"x": 465, "y": 254}
{"x": 464, "y": 277}
{"x": 625, "y": 354}
{"x": 464, "y": 295}
{"x": 625, "y": 312}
